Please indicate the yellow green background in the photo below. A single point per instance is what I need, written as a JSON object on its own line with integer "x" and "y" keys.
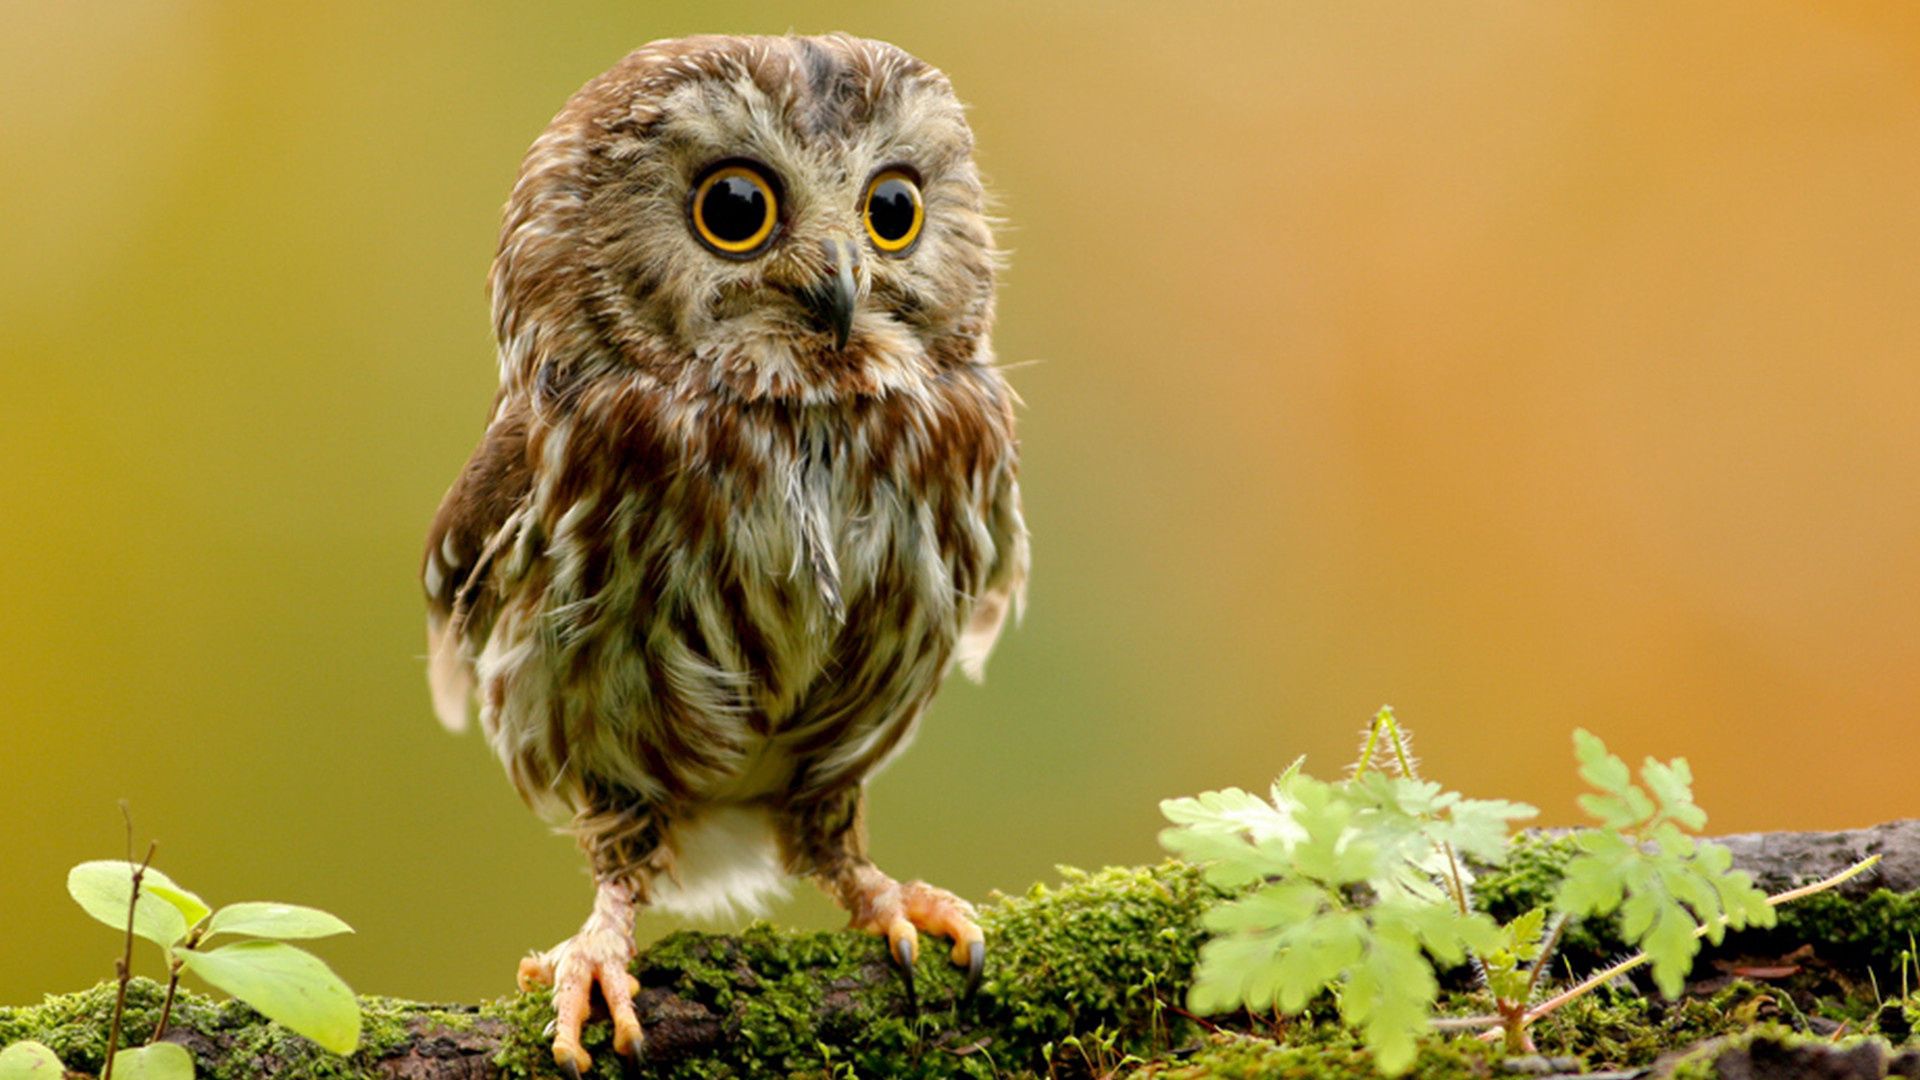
{"x": 1525, "y": 365}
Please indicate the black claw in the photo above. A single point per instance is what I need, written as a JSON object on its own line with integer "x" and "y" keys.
{"x": 913, "y": 999}
{"x": 569, "y": 1070}
{"x": 903, "y": 952}
{"x": 976, "y": 965}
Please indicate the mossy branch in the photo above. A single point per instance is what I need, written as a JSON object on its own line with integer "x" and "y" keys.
{"x": 1086, "y": 978}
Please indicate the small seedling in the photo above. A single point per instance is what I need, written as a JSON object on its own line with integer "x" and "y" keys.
{"x": 283, "y": 982}
{"x": 1358, "y": 888}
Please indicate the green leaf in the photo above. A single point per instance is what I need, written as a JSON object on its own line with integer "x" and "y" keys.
{"x": 1696, "y": 891}
{"x": 1611, "y": 811}
{"x": 1638, "y": 914}
{"x": 1479, "y": 827}
{"x": 1479, "y": 933}
{"x": 1440, "y": 928}
{"x": 1671, "y": 944}
{"x": 1231, "y": 863}
{"x": 191, "y": 907}
{"x": 102, "y": 889}
{"x": 1523, "y": 934}
{"x": 1239, "y": 838}
{"x": 1275, "y": 907}
{"x": 1506, "y": 961}
{"x": 1316, "y": 953}
{"x": 161, "y": 1061}
{"x": 1593, "y": 881}
{"x": 30, "y": 1061}
{"x": 1672, "y": 785}
{"x": 1230, "y": 968}
{"x": 1232, "y": 812}
{"x": 1389, "y": 995}
{"x": 286, "y": 984}
{"x": 1743, "y": 902}
{"x": 1598, "y": 767}
{"x": 284, "y": 921}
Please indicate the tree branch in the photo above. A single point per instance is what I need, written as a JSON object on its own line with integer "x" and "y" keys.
{"x": 1079, "y": 977}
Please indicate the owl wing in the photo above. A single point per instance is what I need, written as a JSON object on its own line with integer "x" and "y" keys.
{"x": 476, "y": 522}
{"x": 1006, "y": 582}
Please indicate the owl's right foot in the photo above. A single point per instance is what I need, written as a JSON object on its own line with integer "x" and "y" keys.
{"x": 601, "y": 955}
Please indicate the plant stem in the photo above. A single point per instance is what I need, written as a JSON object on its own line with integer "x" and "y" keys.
{"x": 1456, "y": 884}
{"x": 1546, "y": 953}
{"x": 1400, "y": 755}
{"x": 1594, "y": 981}
{"x": 166, "y": 1006}
{"x": 123, "y": 967}
{"x": 1383, "y": 717}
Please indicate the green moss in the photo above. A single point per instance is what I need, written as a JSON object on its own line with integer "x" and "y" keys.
{"x": 1102, "y": 951}
{"x": 1857, "y": 931}
{"x": 1623, "y": 1029}
{"x": 1229, "y": 1056}
{"x": 1867, "y": 930}
{"x": 230, "y": 1040}
{"x": 523, "y": 1051}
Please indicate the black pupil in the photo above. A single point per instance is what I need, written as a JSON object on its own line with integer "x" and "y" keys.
{"x": 891, "y": 209}
{"x": 734, "y": 209}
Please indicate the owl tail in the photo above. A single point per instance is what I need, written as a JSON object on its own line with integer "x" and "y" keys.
{"x": 448, "y": 676}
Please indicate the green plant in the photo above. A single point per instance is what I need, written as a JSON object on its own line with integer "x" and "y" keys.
{"x": 283, "y": 982}
{"x": 1359, "y": 887}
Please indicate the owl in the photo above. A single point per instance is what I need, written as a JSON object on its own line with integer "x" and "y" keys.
{"x": 747, "y": 491}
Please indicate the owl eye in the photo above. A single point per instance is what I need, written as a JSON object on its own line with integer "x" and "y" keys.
{"x": 735, "y": 210}
{"x": 893, "y": 211}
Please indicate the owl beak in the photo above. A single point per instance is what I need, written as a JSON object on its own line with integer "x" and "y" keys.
{"x": 832, "y": 299}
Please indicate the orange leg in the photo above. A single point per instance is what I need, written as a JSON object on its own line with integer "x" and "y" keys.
{"x": 828, "y": 840}
{"x": 601, "y": 955}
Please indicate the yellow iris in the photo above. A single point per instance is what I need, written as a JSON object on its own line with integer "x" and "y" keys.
{"x": 893, "y": 211}
{"x": 735, "y": 210}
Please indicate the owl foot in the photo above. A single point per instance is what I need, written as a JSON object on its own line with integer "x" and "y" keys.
{"x": 601, "y": 955}
{"x": 899, "y": 912}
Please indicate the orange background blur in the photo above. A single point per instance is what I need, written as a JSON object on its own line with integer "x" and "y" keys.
{"x": 1525, "y": 365}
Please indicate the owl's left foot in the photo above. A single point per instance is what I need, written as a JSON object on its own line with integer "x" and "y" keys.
{"x": 900, "y": 911}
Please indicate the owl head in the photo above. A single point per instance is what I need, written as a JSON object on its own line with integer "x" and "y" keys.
{"x": 780, "y": 217}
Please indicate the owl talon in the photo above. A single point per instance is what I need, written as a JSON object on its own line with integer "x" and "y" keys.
{"x": 569, "y": 1070}
{"x": 913, "y": 997}
{"x": 976, "y": 966}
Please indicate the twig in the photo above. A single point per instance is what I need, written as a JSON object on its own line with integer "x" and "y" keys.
{"x": 123, "y": 967}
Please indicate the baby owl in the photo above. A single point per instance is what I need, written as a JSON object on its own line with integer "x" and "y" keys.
{"x": 747, "y": 489}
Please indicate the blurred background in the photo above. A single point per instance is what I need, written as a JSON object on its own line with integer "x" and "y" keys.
{"x": 1522, "y": 365}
